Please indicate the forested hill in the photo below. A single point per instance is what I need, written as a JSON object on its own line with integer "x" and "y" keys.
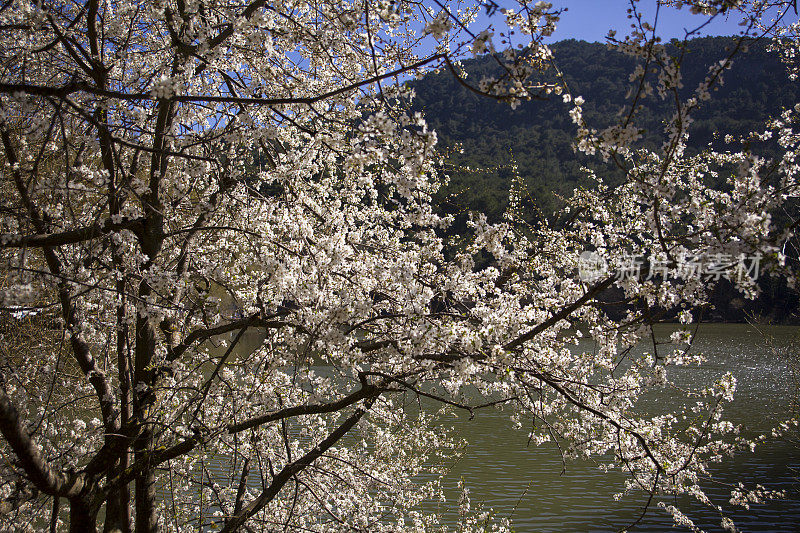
{"x": 537, "y": 136}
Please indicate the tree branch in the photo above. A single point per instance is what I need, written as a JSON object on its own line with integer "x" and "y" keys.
{"x": 149, "y": 461}
{"x": 200, "y": 335}
{"x": 562, "y": 314}
{"x": 40, "y": 473}
{"x": 70, "y": 237}
{"x": 238, "y": 520}
{"x": 362, "y": 393}
{"x": 69, "y": 310}
{"x": 66, "y": 90}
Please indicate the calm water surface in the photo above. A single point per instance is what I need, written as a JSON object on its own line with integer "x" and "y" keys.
{"x": 526, "y": 482}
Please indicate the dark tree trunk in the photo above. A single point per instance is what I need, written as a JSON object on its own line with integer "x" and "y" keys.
{"x": 54, "y": 514}
{"x": 151, "y": 239}
{"x": 146, "y": 518}
{"x": 81, "y": 518}
{"x": 118, "y": 512}
{"x": 118, "y": 515}
{"x": 144, "y": 490}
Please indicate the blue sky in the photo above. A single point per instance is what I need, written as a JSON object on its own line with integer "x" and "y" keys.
{"x": 590, "y": 20}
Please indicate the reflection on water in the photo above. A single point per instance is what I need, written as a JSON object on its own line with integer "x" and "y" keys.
{"x": 526, "y": 482}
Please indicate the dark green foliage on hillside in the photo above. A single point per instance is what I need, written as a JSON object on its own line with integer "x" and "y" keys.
{"x": 538, "y": 135}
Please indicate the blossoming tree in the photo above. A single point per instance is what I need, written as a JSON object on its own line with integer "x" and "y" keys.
{"x": 179, "y": 176}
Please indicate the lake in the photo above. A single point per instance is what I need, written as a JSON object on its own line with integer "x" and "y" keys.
{"x": 526, "y": 482}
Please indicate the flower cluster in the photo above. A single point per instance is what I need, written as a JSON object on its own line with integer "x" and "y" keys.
{"x": 219, "y": 245}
